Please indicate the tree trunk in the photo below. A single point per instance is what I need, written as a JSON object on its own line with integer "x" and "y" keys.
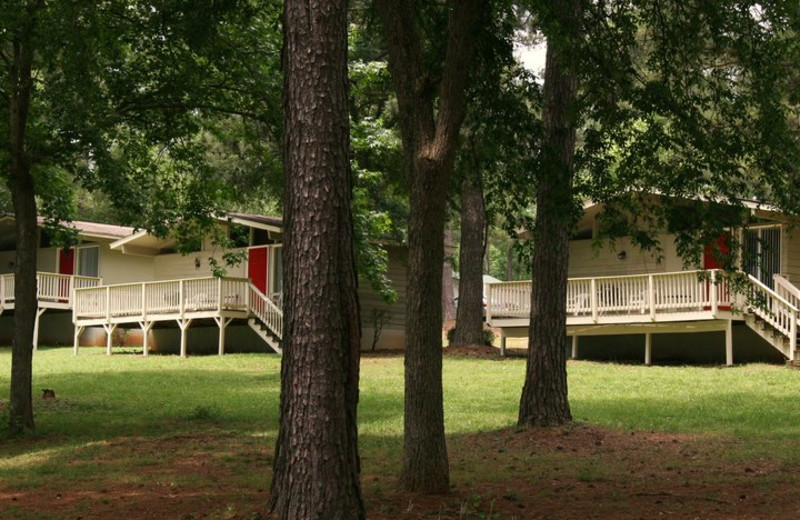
{"x": 448, "y": 305}
{"x": 544, "y": 399}
{"x": 425, "y": 464}
{"x": 429, "y": 128}
{"x": 469, "y": 317}
{"x": 20, "y": 183}
{"x": 316, "y": 465}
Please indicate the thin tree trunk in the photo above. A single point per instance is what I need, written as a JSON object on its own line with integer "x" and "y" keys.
{"x": 316, "y": 465}
{"x": 425, "y": 464}
{"x": 469, "y": 317}
{"x": 20, "y": 181}
{"x": 544, "y": 399}
{"x": 430, "y": 128}
{"x": 448, "y": 306}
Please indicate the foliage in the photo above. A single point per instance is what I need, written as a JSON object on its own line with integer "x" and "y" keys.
{"x": 380, "y": 207}
{"x": 126, "y": 93}
{"x": 708, "y": 117}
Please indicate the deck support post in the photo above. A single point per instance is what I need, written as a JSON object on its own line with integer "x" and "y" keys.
{"x": 222, "y": 323}
{"x": 184, "y": 324}
{"x": 714, "y": 294}
{"x": 78, "y": 331}
{"x": 109, "y": 328}
{"x": 648, "y": 348}
{"x": 729, "y": 343}
{"x": 574, "y": 354}
{"x": 39, "y": 313}
{"x": 145, "y": 326}
{"x": 502, "y": 343}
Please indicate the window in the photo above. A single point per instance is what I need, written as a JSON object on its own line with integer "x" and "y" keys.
{"x": 260, "y": 237}
{"x": 239, "y": 235}
{"x": 88, "y": 261}
{"x": 277, "y": 272}
{"x": 761, "y": 253}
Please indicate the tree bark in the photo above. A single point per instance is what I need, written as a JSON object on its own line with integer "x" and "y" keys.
{"x": 544, "y": 399}
{"x": 316, "y": 465}
{"x": 469, "y": 315}
{"x": 448, "y": 305}
{"x": 20, "y": 183}
{"x": 430, "y": 131}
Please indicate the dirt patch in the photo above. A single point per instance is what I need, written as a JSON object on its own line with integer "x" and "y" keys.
{"x": 576, "y": 472}
{"x": 583, "y": 472}
{"x": 484, "y": 352}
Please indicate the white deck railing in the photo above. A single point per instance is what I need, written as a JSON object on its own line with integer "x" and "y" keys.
{"x": 170, "y": 297}
{"x": 51, "y": 287}
{"x": 265, "y": 310}
{"x": 684, "y": 291}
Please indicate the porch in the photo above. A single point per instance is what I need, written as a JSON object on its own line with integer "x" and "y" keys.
{"x": 53, "y": 291}
{"x": 182, "y": 301}
{"x": 685, "y": 301}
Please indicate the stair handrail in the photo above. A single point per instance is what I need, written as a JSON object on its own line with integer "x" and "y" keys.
{"x": 791, "y": 290}
{"x": 271, "y": 315}
{"x": 755, "y": 281}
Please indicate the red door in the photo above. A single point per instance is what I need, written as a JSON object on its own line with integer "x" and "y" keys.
{"x": 66, "y": 261}
{"x": 257, "y": 262}
{"x": 66, "y": 265}
{"x": 717, "y": 256}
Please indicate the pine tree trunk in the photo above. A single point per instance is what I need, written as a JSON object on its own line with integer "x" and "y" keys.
{"x": 20, "y": 183}
{"x": 316, "y": 465}
{"x": 544, "y": 399}
{"x": 469, "y": 315}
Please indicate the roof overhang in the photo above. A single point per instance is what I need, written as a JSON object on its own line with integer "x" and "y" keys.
{"x": 142, "y": 243}
{"x": 252, "y": 222}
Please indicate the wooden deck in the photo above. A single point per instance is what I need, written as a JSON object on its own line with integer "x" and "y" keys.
{"x": 667, "y": 302}
{"x": 53, "y": 291}
{"x": 182, "y": 301}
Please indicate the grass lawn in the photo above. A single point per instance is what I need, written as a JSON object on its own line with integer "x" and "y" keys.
{"x": 164, "y": 437}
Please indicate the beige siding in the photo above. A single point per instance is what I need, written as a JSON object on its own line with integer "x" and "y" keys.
{"x": 393, "y": 332}
{"x": 7, "y": 261}
{"x": 115, "y": 267}
{"x": 790, "y": 255}
{"x": 46, "y": 259}
{"x": 175, "y": 266}
{"x": 586, "y": 259}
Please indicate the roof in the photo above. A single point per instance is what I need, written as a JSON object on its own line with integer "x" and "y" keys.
{"x": 143, "y": 243}
{"x": 85, "y": 228}
{"x": 252, "y": 220}
{"x": 95, "y": 229}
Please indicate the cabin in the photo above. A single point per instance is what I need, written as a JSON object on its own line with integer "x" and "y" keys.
{"x": 624, "y": 303}
{"x": 119, "y": 286}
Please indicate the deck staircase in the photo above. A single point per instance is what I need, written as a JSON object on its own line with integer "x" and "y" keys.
{"x": 266, "y": 318}
{"x": 773, "y": 314}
